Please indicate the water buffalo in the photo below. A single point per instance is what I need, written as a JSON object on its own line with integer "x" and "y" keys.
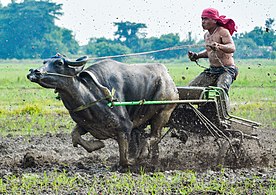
{"x": 86, "y": 93}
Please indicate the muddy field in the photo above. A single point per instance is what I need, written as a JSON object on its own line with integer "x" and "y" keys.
{"x": 49, "y": 152}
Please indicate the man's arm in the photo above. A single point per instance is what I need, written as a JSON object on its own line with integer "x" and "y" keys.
{"x": 195, "y": 56}
{"x": 227, "y": 44}
{"x": 227, "y": 48}
{"x": 203, "y": 54}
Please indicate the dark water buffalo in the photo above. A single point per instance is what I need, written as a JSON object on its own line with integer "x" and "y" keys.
{"x": 86, "y": 93}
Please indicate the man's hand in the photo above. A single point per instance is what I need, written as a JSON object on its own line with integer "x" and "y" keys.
{"x": 193, "y": 56}
{"x": 213, "y": 45}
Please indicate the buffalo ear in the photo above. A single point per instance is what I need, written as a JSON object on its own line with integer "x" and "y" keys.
{"x": 79, "y": 62}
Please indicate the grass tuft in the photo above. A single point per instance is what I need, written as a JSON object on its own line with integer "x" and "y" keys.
{"x": 31, "y": 109}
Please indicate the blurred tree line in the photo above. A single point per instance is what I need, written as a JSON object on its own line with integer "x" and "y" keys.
{"x": 28, "y": 30}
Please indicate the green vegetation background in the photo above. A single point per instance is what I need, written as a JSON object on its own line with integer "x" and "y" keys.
{"x": 42, "y": 38}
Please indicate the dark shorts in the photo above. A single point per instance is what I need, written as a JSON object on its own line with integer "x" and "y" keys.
{"x": 216, "y": 76}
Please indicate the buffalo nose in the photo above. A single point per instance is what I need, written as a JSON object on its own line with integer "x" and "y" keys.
{"x": 35, "y": 71}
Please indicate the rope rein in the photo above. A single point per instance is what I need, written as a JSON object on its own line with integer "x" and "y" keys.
{"x": 149, "y": 52}
{"x": 217, "y": 58}
{"x": 201, "y": 66}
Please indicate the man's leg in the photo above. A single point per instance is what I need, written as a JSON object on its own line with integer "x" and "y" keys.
{"x": 204, "y": 79}
{"x": 227, "y": 78}
{"x": 224, "y": 81}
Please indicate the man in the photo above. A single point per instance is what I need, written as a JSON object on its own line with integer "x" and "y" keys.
{"x": 219, "y": 49}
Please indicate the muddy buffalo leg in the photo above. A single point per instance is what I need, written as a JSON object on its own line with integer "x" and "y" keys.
{"x": 134, "y": 143}
{"x": 89, "y": 146}
{"x": 123, "y": 142}
{"x": 150, "y": 146}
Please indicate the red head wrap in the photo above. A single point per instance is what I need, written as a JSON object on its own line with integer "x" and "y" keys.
{"x": 212, "y": 13}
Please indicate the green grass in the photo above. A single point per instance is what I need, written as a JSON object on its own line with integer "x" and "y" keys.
{"x": 178, "y": 182}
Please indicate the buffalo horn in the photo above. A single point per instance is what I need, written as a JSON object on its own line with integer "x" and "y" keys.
{"x": 79, "y": 62}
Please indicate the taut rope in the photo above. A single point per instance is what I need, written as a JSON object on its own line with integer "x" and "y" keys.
{"x": 149, "y": 52}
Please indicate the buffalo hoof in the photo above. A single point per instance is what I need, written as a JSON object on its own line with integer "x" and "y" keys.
{"x": 121, "y": 169}
{"x": 131, "y": 161}
{"x": 94, "y": 145}
{"x": 144, "y": 150}
{"x": 127, "y": 163}
{"x": 144, "y": 154}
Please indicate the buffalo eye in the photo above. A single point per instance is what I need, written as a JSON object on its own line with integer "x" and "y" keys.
{"x": 59, "y": 63}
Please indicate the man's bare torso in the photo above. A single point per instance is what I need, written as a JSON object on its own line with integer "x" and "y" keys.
{"x": 218, "y": 57}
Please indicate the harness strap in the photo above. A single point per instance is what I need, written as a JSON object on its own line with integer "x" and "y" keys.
{"x": 108, "y": 95}
{"x": 57, "y": 74}
{"x": 106, "y": 92}
{"x": 109, "y": 98}
{"x": 83, "y": 107}
{"x": 104, "y": 89}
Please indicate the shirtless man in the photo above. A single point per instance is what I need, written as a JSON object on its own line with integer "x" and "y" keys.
{"x": 219, "y": 49}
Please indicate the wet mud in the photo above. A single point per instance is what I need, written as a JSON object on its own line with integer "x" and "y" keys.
{"x": 19, "y": 154}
